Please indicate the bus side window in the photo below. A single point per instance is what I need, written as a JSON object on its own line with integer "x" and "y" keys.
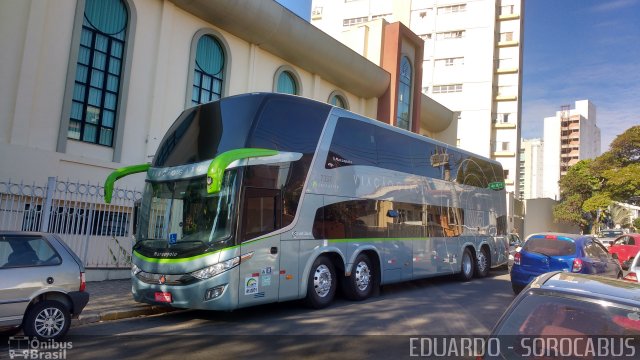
{"x": 262, "y": 212}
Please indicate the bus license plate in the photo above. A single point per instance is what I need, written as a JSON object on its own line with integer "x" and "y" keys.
{"x": 164, "y": 297}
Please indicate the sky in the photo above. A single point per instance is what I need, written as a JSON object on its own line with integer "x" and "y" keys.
{"x": 574, "y": 50}
{"x": 582, "y": 50}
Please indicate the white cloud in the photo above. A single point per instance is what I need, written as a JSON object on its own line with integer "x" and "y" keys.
{"x": 613, "y": 5}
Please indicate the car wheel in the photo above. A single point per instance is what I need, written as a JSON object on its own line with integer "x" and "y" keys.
{"x": 321, "y": 287}
{"x": 626, "y": 264}
{"x": 620, "y": 276}
{"x": 466, "y": 265}
{"x": 359, "y": 285}
{"x": 47, "y": 320}
{"x": 483, "y": 263}
{"x": 517, "y": 289}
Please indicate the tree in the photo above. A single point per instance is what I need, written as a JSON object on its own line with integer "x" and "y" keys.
{"x": 636, "y": 224}
{"x": 591, "y": 186}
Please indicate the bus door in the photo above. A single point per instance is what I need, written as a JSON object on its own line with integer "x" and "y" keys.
{"x": 259, "y": 268}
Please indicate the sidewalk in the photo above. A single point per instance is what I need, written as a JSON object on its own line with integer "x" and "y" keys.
{"x": 112, "y": 300}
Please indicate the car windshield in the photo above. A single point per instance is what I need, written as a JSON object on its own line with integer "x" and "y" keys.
{"x": 550, "y": 247}
{"x": 545, "y": 315}
{"x": 610, "y": 233}
{"x": 182, "y": 216}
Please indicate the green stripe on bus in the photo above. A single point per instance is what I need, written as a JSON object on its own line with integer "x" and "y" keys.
{"x": 375, "y": 239}
{"x": 179, "y": 260}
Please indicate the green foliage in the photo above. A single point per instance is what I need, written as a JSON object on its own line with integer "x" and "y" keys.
{"x": 593, "y": 185}
{"x": 636, "y": 224}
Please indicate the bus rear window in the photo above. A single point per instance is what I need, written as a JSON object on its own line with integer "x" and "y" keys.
{"x": 551, "y": 247}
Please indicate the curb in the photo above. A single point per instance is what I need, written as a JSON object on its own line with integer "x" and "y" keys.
{"x": 120, "y": 314}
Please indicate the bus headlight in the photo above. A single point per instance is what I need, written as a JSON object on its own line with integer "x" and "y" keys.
{"x": 215, "y": 269}
{"x": 134, "y": 270}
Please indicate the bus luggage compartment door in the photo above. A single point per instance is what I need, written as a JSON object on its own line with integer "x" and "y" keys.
{"x": 259, "y": 269}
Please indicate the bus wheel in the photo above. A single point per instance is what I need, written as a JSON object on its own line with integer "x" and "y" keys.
{"x": 483, "y": 263}
{"x": 321, "y": 287}
{"x": 466, "y": 266}
{"x": 359, "y": 285}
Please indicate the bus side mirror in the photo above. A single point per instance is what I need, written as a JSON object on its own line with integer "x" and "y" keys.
{"x": 119, "y": 173}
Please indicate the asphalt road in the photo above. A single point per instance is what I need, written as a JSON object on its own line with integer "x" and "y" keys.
{"x": 379, "y": 328}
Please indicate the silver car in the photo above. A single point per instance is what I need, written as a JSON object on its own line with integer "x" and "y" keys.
{"x": 42, "y": 284}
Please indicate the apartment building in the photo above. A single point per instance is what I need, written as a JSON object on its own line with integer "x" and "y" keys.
{"x": 569, "y": 136}
{"x": 472, "y": 62}
{"x": 531, "y": 168}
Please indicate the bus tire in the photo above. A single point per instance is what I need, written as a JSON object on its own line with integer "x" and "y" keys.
{"x": 359, "y": 286}
{"x": 322, "y": 283}
{"x": 483, "y": 263}
{"x": 467, "y": 265}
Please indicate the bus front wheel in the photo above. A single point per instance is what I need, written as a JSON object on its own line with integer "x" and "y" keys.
{"x": 321, "y": 286}
{"x": 466, "y": 265}
{"x": 359, "y": 286}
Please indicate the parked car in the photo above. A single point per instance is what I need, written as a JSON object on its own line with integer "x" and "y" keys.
{"x": 43, "y": 284}
{"x": 515, "y": 244}
{"x": 561, "y": 305}
{"x": 626, "y": 247}
{"x": 607, "y": 236}
{"x": 634, "y": 270}
{"x": 547, "y": 252}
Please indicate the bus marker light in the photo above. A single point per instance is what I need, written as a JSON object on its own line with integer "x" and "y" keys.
{"x": 164, "y": 297}
{"x": 282, "y": 272}
{"x": 255, "y": 274}
{"x": 289, "y": 277}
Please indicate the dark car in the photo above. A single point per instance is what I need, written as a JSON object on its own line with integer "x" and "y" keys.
{"x": 43, "y": 284}
{"x": 547, "y": 252}
{"x": 566, "y": 309}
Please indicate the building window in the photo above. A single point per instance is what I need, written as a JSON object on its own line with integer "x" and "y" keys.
{"x": 452, "y": 9}
{"x": 456, "y": 61}
{"x": 354, "y": 21}
{"x": 339, "y": 100}
{"x": 443, "y": 89}
{"x": 383, "y": 16}
{"x": 501, "y": 118}
{"x": 208, "y": 71}
{"x": 96, "y": 90}
{"x": 458, "y": 34}
{"x": 506, "y": 36}
{"x": 425, "y": 37}
{"x": 404, "y": 95}
{"x": 287, "y": 81}
{"x": 506, "y": 10}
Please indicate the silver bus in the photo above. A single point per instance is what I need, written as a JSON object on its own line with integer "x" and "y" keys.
{"x": 266, "y": 197}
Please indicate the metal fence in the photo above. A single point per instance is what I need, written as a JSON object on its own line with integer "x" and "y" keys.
{"x": 101, "y": 234}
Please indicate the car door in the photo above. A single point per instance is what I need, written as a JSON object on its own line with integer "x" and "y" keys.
{"x": 27, "y": 263}
{"x": 594, "y": 264}
{"x": 609, "y": 264}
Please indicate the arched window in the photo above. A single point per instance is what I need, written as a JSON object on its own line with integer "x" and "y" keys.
{"x": 338, "y": 99}
{"x": 208, "y": 71}
{"x": 98, "y": 76}
{"x": 287, "y": 83}
{"x": 403, "y": 119}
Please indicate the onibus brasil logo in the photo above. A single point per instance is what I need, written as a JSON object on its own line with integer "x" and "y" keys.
{"x": 31, "y": 348}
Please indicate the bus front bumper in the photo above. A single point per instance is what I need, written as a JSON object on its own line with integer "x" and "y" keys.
{"x": 217, "y": 293}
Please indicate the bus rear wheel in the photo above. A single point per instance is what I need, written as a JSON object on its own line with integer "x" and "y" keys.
{"x": 359, "y": 286}
{"x": 483, "y": 263}
{"x": 321, "y": 286}
{"x": 466, "y": 265}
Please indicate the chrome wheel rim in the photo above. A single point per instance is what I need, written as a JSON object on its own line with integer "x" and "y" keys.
{"x": 363, "y": 276}
{"x": 49, "y": 322}
{"x": 466, "y": 264}
{"x": 322, "y": 280}
{"x": 482, "y": 262}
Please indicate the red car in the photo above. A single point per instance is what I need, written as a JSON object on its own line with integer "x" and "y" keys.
{"x": 626, "y": 247}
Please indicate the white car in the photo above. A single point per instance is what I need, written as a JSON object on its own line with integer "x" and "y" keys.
{"x": 634, "y": 270}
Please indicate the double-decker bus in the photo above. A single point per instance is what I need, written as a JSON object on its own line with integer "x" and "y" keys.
{"x": 266, "y": 197}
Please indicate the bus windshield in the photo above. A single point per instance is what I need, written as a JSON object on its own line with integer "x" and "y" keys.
{"x": 179, "y": 218}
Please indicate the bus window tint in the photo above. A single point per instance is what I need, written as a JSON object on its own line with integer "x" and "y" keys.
{"x": 362, "y": 219}
{"x": 395, "y": 151}
{"x": 289, "y": 125}
{"x": 353, "y": 144}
